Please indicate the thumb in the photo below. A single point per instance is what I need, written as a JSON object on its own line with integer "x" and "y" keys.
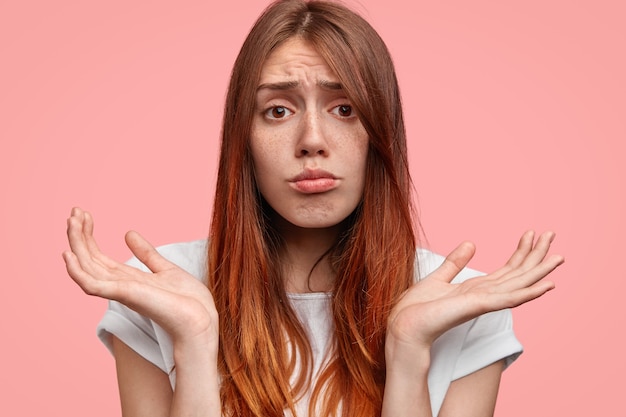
{"x": 455, "y": 262}
{"x": 146, "y": 253}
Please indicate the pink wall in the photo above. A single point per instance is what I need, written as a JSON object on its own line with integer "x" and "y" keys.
{"x": 516, "y": 116}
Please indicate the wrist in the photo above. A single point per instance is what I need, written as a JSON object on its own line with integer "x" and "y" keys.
{"x": 407, "y": 357}
{"x": 198, "y": 347}
{"x": 197, "y": 376}
{"x": 406, "y": 384}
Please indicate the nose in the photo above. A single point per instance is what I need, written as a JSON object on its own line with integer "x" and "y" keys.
{"x": 312, "y": 138}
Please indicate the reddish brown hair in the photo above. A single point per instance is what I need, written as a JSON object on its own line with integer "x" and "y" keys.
{"x": 374, "y": 260}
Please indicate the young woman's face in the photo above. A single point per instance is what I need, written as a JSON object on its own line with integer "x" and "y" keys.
{"x": 308, "y": 146}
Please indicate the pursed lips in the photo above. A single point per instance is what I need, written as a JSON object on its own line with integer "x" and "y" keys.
{"x": 313, "y": 181}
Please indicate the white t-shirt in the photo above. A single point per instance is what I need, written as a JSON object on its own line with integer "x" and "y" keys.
{"x": 457, "y": 353}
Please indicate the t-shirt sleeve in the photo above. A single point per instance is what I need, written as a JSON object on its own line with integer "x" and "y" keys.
{"x": 136, "y": 331}
{"x": 470, "y": 346}
{"x": 140, "y": 333}
{"x": 490, "y": 338}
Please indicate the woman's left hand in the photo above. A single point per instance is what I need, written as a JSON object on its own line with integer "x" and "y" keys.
{"x": 434, "y": 305}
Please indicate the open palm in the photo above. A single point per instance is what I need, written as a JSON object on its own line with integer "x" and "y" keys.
{"x": 170, "y": 296}
{"x": 435, "y": 304}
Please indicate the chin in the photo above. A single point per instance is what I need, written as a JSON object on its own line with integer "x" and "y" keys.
{"x": 310, "y": 217}
{"x": 315, "y": 223}
{"x": 320, "y": 222}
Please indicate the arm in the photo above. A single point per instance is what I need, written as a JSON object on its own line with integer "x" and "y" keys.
{"x": 170, "y": 297}
{"x": 474, "y": 395}
{"x": 434, "y": 305}
{"x": 145, "y": 389}
{"x": 471, "y": 396}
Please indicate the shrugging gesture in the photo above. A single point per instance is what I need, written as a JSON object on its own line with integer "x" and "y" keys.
{"x": 172, "y": 298}
{"x": 435, "y": 305}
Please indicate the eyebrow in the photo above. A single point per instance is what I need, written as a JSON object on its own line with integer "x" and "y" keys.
{"x": 290, "y": 85}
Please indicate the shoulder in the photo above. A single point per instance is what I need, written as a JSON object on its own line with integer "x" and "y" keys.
{"x": 139, "y": 332}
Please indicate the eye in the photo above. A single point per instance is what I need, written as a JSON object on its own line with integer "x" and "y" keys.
{"x": 343, "y": 110}
{"x": 277, "y": 112}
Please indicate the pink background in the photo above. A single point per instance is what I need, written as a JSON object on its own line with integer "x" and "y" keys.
{"x": 516, "y": 117}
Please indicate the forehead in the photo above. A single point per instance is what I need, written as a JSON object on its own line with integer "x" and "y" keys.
{"x": 296, "y": 60}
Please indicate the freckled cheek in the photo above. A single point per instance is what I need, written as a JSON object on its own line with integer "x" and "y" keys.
{"x": 355, "y": 148}
{"x": 260, "y": 146}
{"x": 267, "y": 156}
{"x": 361, "y": 153}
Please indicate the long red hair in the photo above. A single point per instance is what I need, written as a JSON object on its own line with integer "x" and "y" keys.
{"x": 374, "y": 257}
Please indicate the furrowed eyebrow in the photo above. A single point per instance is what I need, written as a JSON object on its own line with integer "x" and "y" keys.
{"x": 290, "y": 85}
{"x": 329, "y": 85}
{"x": 285, "y": 85}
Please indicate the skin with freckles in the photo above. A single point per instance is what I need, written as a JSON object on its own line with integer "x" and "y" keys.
{"x": 309, "y": 151}
{"x": 308, "y": 145}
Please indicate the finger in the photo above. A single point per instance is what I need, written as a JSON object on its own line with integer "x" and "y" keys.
{"x": 455, "y": 262}
{"x": 112, "y": 289}
{"x": 92, "y": 245}
{"x": 539, "y": 252}
{"x": 83, "y": 246}
{"x": 524, "y": 295}
{"x": 534, "y": 275}
{"x": 146, "y": 253}
{"x": 78, "y": 236}
{"x": 75, "y": 270}
{"x": 524, "y": 247}
{"x": 75, "y": 235}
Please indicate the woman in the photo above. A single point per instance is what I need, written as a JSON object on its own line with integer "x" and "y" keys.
{"x": 306, "y": 301}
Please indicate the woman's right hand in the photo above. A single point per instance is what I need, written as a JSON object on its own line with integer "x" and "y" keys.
{"x": 171, "y": 297}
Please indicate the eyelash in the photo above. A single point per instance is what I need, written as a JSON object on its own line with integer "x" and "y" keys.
{"x": 269, "y": 113}
{"x": 344, "y": 106}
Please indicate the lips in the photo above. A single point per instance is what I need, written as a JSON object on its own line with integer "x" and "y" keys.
{"x": 313, "y": 181}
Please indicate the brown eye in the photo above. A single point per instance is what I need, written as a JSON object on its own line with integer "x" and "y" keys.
{"x": 277, "y": 112}
{"x": 343, "y": 110}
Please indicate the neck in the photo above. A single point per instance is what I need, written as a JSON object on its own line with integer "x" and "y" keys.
{"x": 306, "y": 266}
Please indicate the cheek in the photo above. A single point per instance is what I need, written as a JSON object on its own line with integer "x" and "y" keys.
{"x": 359, "y": 152}
{"x": 267, "y": 161}
{"x": 260, "y": 149}
{"x": 360, "y": 140}
{"x": 364, "y": 150}
{"x": 269, "y": 142}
